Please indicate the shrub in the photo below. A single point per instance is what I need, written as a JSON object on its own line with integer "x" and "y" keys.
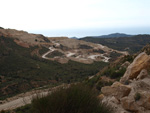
{"x": 2, "y": 111}
{"x": 114, "y": 72}
{"x": 137, "y": 96}
{"x": 75, "y": 99}
{"x": 24, "y": 109}
{"x": 127, "y": 82}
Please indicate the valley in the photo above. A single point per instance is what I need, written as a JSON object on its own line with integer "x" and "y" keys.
{"x": 31, "y": 61}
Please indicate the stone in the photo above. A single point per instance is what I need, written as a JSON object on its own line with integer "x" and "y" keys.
{"x": 142, "y": 61}
{"x": 117, "y": 90}
{"x": 113, "y": 100}
{"x": 129, "y": 104}
{"x": 101, "y": 96}
{"x": 144, "y": 100}
{"x": 142, "y": 74}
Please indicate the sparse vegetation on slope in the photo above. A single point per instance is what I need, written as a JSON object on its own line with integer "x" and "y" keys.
{"x": 20, "y": 71}
{"x": 114, "y": 71}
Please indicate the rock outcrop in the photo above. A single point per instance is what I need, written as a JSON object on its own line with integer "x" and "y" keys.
{"x": 142, "y": 61}
{"x": 117, "y": 90}
{"x": 134, "y": 97}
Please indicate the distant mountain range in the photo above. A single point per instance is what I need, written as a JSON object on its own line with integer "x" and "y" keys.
{"x": 113, "y": 35}
{"x": 131, "y": 44}
{"x": 74, "y": 37}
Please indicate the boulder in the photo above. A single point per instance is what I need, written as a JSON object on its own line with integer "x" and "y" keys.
{"x": 144, "y": 100}
{"x": 142, "y": 61}
{"x": 129, "y": 105}
{"x": 117, "y": 90}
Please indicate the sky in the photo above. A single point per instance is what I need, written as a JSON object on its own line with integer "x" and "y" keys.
{"x": 77, "y": 18}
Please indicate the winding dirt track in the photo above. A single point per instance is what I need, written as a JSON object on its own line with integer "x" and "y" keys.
{"x": 20, "y": 101}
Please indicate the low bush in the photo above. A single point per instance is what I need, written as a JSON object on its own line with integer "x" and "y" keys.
{"x": 75, "y": 99}
{"x": 137, "y": 96}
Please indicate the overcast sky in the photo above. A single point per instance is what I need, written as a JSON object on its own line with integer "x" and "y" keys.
{"x": 76, "y": 17}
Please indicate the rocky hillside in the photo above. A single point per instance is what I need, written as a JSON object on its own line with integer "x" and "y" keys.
{"x": 124, "y": 83}
{"x": 32, "y": 60}
{"x": 62, "y": 49}
{"x": 132, "y": 93}
{"x": 80, "y": 51}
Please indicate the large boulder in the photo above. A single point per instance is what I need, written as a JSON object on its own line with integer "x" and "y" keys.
{"x": 140, "y": 105}
{"x": 142, "y": 61}
{"x": 117, "y": 90}
{"x": 129, "y": 105}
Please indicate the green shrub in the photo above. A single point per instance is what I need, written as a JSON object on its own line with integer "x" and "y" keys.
{"x": 137, "y": 96}
{"x": 2, "y": 111}
{"x": 114, "y": 72}
{"x": 24, "y": 109}
{"x": 75, "y": 99}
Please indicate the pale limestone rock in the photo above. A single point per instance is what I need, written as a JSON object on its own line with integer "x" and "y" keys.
{"x": 129, "y": 104}
{"x": 144, "y": 101}
{"x": 113, "y": 100}
{"x": 117, "y": 90}
{"x": 142, "y": 74}
{"x": 115, "y": 104}
{"x": 142, "y": 61}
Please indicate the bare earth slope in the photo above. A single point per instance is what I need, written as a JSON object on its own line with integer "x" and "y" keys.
{"x": 63, "y": 49}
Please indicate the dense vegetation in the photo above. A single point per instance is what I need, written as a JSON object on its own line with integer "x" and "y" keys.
{"x": 20, "y": 71}
{"x": 131, "y": 44}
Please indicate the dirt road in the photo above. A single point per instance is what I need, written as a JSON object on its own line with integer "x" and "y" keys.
{"x": 21, "y": 101}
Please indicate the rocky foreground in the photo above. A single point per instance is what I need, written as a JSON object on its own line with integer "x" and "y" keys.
{"x": 132, "y": 93}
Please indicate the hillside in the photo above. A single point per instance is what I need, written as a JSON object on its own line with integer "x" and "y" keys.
{"x": 124, "y": 84}
{"x": 29, "y": 61}
{"x": 21, "y": 70}
{"x": 113, "y": 35}
{"x": 131, "y": 44}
